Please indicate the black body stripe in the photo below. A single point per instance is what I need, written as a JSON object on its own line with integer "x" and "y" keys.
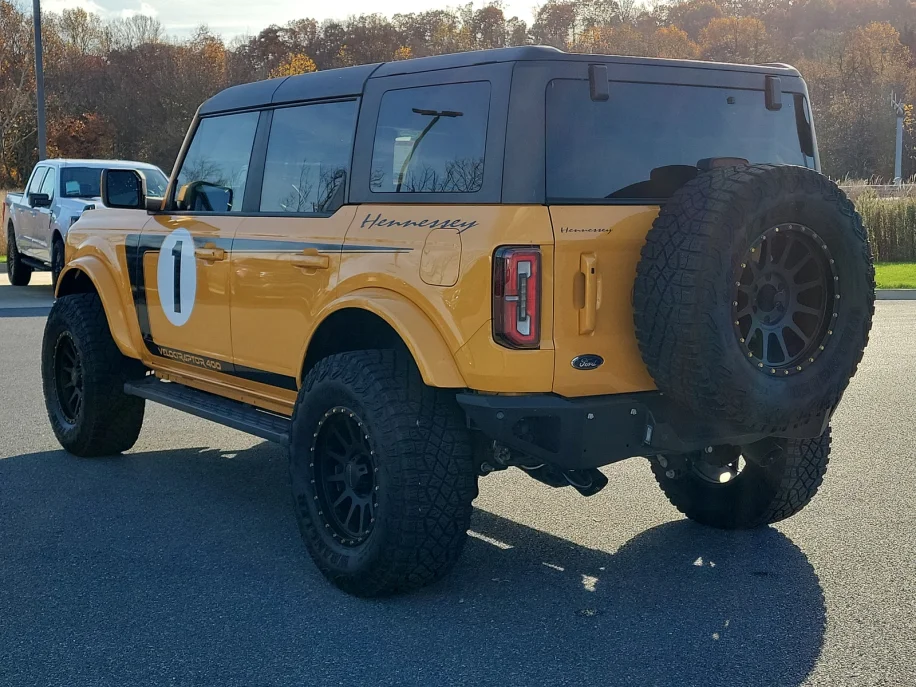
{"x": 268, "y": 246}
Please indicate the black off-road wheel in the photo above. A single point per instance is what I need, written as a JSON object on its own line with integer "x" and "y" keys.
{"x": 754, "y": 296}
{"x": 83, "y": 375}
{"x": 728, "y": 490}
{"x": 18, "y": 272}
{"x": 382, "y": 473}
{"x": 57, "y": 260}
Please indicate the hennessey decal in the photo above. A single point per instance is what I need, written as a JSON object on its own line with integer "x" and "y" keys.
{"x": 379, "y": 221}
{"x": 585, "y": 230}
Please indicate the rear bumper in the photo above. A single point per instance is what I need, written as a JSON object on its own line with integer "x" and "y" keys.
{"x": 590, "y": 432}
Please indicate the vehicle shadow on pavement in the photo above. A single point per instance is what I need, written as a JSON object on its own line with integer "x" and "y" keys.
{"x": 186, "y": 567}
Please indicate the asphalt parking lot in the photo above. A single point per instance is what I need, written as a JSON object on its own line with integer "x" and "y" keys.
{"x": 180, "y": 563}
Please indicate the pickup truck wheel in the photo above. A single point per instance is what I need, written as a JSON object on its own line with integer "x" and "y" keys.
{"x": 382, "y": 473}
{"x": 83, "y": 375}
{"x": 57, "y": 260}
{"x": 754, "y": 296}
{"x": 732, "y": 492}
{"x": 18, "y": 272}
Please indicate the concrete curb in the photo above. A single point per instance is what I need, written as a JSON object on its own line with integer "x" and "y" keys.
{"x": 896, "y": 294}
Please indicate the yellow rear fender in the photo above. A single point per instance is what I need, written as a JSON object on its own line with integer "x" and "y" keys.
{"x": 373, "y": 317}
{"x": 88, "y": 274}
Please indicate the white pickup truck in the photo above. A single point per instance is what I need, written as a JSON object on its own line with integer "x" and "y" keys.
{"x": 57, "y": 194}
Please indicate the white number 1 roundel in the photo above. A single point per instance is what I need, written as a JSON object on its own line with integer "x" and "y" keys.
{"x": 176, "y": 276}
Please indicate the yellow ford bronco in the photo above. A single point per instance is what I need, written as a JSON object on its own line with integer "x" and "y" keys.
{"x": 413, "y": 274}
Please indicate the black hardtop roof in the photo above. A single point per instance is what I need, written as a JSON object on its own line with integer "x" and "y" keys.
{"x": 350, "y": 81}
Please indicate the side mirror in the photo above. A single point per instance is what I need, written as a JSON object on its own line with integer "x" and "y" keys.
{"x": 39, "y": 200}
{"x": 202, "y": 196}
{"x": 124, "y": 188}
{"x": 154, "y": 203}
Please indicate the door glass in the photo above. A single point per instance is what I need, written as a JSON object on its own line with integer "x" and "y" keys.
{"x": 308, "y": 157}
{"x": 47, "y": 186}
{"x": 431, "y": 139}
{"x": 213, "y": 174}
{"x": 37, "y": 180}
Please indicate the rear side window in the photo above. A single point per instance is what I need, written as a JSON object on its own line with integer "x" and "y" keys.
{"x": 648, "y": 140}
{"x": 47, "y": 186}
{"x": 216, "y": 166}
{"x": 38, "y": 178}
{"x": 308, "y": 158}
{"x": 431, "y": 139}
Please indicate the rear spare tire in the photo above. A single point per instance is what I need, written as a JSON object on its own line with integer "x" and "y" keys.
{"x": 754, "y": 295}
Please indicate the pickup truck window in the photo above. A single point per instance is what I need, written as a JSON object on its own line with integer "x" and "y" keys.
{"x": 85, "y": 182}
{"x": 218, "y": 158}
{"x": 308, "y": 157}
{"x": 47, "y": 186}
{"x": 431, "y": 139}
{"x": 38, "y": 177}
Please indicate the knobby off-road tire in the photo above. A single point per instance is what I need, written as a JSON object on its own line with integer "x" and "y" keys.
{"x": 83, "y": 375}
{"x": 18, "y": 272}
{"x": 757, "y": 496}
{"x": 718, "y": 281}
{"x": 366, "y": 424}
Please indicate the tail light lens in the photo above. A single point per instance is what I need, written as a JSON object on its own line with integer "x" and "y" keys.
{"x": 517, "y": 297}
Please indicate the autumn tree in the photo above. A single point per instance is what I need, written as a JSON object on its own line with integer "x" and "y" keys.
{"x": 16, "y": 88}
{"x": 294, "y": 64}
{"x": 734, "y": 39}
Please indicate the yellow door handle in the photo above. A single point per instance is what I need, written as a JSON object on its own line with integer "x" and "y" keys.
{"x": 311, "y": 261}
{"x": 210, "y": 254}
{"x": 588, "y": 314}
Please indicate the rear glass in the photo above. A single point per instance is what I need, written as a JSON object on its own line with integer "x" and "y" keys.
{"x": 647, "y": 140}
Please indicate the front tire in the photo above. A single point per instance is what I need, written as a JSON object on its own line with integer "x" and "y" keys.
{"x": 57, "y": 260}
{"x": 382, "y": 473}
{"x": 743, "y": 494}
{"x": 83, "y": 375}
{"x": 19, "y": 273}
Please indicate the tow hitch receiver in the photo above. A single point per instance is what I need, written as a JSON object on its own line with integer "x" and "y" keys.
{"x": 587, "y": 482}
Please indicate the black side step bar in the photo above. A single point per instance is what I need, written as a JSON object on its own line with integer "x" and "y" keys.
{"x": 224, "y": 411}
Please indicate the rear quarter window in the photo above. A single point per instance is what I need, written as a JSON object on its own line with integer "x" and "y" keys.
{"x": 431, "y": 139}
{"x": 647, "y": 140}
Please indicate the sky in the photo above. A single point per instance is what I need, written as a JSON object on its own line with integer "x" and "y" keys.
{"x": 233, "y": 17}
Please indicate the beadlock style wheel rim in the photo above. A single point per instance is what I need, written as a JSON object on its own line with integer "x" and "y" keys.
{"x": 68, "y": 378}
{"x": 342, "y": 464}
{"x": 784, "y": 307}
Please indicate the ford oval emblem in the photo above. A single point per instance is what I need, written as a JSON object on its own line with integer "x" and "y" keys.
{"x": 587, "y": 362}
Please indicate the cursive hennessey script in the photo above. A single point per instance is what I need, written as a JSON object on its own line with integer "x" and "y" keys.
{"x": 379, "y": 221}
{"x": 585, "y": 230}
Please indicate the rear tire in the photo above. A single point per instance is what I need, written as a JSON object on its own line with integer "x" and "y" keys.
{"x": 83, "y": 375}
{"x": 382, "y": 473}
{"x": 758, "y": 495}
{"x": 19, "y": 273}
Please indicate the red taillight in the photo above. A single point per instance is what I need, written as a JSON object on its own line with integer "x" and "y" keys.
{"x": 517, "y": 297}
